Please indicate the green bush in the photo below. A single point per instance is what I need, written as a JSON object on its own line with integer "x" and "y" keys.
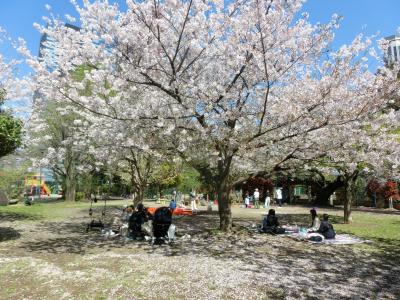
{"x": 79, "y": 196}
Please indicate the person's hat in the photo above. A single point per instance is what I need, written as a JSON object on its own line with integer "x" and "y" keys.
{"x": 256, "y": 189}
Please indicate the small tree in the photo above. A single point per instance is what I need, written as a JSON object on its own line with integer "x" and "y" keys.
{"x": 10, "y": 127}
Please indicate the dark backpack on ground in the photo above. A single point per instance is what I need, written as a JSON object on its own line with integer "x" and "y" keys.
{"x": 161, "y": 222}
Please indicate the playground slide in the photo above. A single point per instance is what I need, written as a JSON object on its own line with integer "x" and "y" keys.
{"x": 34, "y": 182}
{"x": 46, "y": 189}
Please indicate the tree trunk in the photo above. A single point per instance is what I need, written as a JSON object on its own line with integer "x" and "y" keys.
{"x": 139, "y": 191}
{"x": 391, "y": 203}
{"x": 325, "y": 191}
{"x": 322, "y": 196}
{"x": 347, "y": 205}
{"x": 70, "y": 176}
{"x": 224, "y": 208}
{"x": 223, "y": 189}
{"x": 218, "y": 183}
{"x": 70, "y": 188}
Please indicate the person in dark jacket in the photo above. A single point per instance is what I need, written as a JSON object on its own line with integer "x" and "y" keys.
{"x": 271, "y": 223}
{"x": 326, "y": 228}
{"x": 140, "y": 216}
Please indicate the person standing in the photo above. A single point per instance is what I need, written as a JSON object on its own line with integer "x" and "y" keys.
{"x": 267, "y": 200}
{"x": 193, "y": 200}
{"x": 174, "y": 194}
{"x": 247, "y": 199}
{"x": 279, "y": 196}
{"x": 256, "y": 196}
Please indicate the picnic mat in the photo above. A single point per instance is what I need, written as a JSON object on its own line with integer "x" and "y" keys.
{"x": 177, "y": 211}
{"x": 340, "y": 239}
{"x": 345, "y": 239}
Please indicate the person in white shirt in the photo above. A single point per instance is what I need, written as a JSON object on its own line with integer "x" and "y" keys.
{"x": 247, "y": 200}
{"x": 256, "y": 196}
{"x": 193, "y": 201}
{"x": 279, "y": 196}
{"x": 315, "y": 222}
{"x": 267, "y": 200}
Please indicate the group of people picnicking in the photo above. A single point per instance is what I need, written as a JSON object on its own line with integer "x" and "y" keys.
{"x": 254, "y": 199}
{"x": 137, "y": 223}
{"x": 317, "y": 232}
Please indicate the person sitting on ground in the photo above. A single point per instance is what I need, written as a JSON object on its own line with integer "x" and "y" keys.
{"x": 271, "y": 224}
{"x": 326, "y": 228}
{"x": 118, "y": 221}
{"x": 137, "y": 219}
{"x": 125, "y": 216}
{"x": 315, "y": 222}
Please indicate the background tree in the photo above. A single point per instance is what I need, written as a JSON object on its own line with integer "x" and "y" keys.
{"x": 140, "y": 167}
{"x": 10, "y": 126}
{"x": 374, "y": 152}
{"x": 56, "y": 142}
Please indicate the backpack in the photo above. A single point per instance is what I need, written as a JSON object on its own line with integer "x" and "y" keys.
{"x": 161, "y": 222}
{"x": 162, "y": 215}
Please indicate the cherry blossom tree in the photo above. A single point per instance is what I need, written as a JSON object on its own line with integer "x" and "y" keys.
{"x": 128, "y": 151}
{"x": 56, "y": 139}
{"x": 372, "y": 150}
{"x": 234, "y": 89}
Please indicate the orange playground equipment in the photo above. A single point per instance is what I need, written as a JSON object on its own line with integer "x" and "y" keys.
{"x": 35, "y": 184}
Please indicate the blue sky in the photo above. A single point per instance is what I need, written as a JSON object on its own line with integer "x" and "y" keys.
{"x": 368, "y": 16}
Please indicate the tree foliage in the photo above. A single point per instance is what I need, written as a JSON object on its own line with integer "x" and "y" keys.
{"x": 10, "y": 128}
{"x": 234, "y": 89}
{"x": 10, "y": 133}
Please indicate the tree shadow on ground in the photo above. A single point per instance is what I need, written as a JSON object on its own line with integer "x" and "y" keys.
{"x": 295, "y": 264}
{"x": 8, "y": 233}
{"x": 73, "y": 244}
{"x": 297, "y": 268}
{"x": 71, "y": 237}
{"x": 18, "y": 216}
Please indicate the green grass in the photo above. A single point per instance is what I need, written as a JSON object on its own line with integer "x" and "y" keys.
{"x": 372, "y": 226}
{"x": 365, "y": 225}
{"x": 46, "y": 211}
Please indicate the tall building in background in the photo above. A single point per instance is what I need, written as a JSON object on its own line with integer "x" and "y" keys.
{"x": 393, "y": 54}
{"x": 48, "y": 46}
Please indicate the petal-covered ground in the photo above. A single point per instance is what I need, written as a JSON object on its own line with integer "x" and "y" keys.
{"x": 47, "y": 259}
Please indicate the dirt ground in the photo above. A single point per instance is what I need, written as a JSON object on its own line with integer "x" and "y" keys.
{"x": 42, "y": 259}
